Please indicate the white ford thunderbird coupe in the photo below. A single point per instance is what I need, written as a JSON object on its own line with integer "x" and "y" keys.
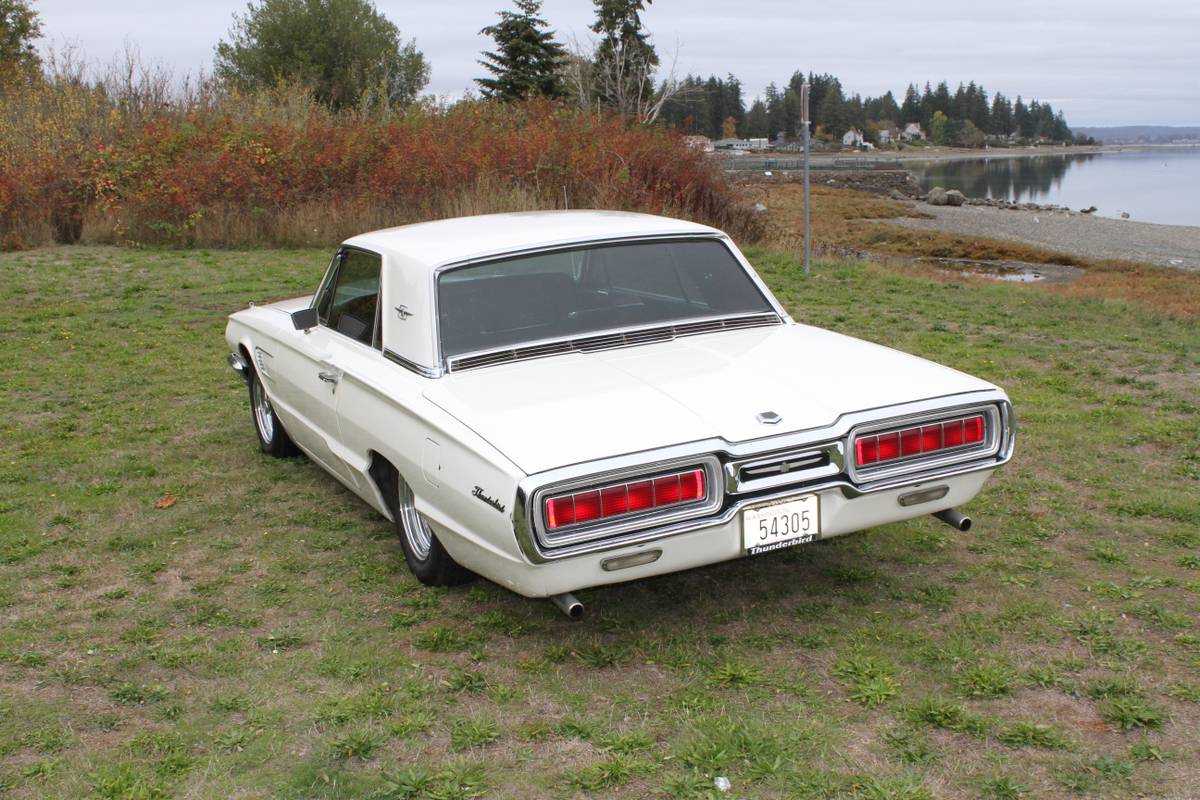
{"x": 559, "y": 400}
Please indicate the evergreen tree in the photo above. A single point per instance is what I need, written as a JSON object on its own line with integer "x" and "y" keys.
{"x": 887, "y": 110}
{"x": 977, "y": 107}
{"x": 854, "y": 113}
{"x": 1032, "y": 120}
{"x": 773, "y": 100}
{"x": 942, "y": 101}
{"x": 625, "y": 58}
{"x": 757, "y": 122}
{"x": 927, "y": 108}
{"x": 910, "y": 111}
{"x": 1001, "y": 116}
{"x": 831, "y": 113}
{"x": 715, "y": 95}
{"x": 790, "y": 114}
{"x": 960, "y": 105}
{"x": 731, "y": 93}
{"x": 527, "y": 61}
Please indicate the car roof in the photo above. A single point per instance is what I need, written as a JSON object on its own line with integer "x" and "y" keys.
{"x": 460, "y": 239}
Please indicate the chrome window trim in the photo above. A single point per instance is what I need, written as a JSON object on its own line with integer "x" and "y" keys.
{"x": 453, "y": 361}
{"x": 444, "y": 361}
{"x": 327, "y": 284}
{"x": 327, "y": 278}
{"x": 412, "y": 366}
{"x": 714, "y": 499}
{"x": 835, "y": 435}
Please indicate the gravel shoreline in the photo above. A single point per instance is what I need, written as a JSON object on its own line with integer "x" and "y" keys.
{"x": 1175, "y": 246}
{"x": 972, "y": 154}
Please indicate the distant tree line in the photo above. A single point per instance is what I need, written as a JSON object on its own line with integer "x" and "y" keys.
{"x": 715, "y": 107}
{"x": 351, "y": 56}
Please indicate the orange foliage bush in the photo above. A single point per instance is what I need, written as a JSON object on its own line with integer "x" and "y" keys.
{"x": 245, "y": 173}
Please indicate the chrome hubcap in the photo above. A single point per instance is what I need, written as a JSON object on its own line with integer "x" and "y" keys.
{"x": 264, "y": 415}
{"x": 416, "y": 529}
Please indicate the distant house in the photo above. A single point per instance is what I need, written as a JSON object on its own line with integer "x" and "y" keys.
{"x": 889, "y": 135}
{"x": 758, "y": 143}
{"x": 701, "y": 143}
{"x": 912, "y": 131}
{"x": 852, "y": 138}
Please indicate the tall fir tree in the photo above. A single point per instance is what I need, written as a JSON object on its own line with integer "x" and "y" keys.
{"x": 927, "y": 108}
{"x": 757, "y": 123}
{"x": 527, "y": 61}
{"x": 910, "y": 111}
{"x": 1021, "y": 120}
{"x": 625, "y": 58}
{"x": 1001, "y": 116}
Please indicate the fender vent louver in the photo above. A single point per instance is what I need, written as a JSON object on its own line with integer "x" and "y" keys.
{"x": 611, "y": 341}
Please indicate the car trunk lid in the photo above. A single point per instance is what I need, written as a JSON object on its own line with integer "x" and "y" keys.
{"x": 573, "y": 408}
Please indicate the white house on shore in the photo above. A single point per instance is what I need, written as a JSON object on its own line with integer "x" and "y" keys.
{"x": 701, "y": 143}
{"x": 912, "y": 131}
{"x": 889, "y": 135}
{"x": 758, "y": 143}
{"x": 852, "y": 138}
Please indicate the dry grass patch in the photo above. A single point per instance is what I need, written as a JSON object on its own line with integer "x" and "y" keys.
{"x": 847, "y": 222}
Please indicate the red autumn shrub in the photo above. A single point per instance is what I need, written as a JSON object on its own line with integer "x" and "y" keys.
{"x": 207, "y": 177}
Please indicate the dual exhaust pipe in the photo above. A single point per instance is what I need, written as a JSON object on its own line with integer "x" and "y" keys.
{"x": 954, "y": 519}
{"x": 569, "y": 604}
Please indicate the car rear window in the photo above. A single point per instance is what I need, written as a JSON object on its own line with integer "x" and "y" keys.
{"x": 590, "y": 290}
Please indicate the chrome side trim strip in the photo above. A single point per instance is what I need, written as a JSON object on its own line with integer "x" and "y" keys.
{"x": 412, "y": 366}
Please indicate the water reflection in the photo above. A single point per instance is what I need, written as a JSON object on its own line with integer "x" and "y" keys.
{"x": 1028, "y": 179}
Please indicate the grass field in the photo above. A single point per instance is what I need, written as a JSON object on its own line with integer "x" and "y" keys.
{"x": 181, "y": 616}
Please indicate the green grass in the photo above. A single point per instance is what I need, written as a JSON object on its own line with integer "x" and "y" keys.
{"x": 262, "y": 636}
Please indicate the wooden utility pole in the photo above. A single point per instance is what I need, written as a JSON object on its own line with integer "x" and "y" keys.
{"x": 804, "y": 124}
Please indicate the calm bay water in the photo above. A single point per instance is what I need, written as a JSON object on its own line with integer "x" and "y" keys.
{"x": 1161, "y": 185}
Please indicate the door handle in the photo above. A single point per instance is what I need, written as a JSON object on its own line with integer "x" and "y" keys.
{"x": 329, "y": 377}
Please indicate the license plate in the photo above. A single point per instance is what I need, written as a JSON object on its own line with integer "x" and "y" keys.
{"x": 782, "y": 524}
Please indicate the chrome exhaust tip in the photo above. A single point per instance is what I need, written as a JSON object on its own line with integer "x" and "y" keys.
{"x": 954, "y": 519}
{"x": 568, "y": 604}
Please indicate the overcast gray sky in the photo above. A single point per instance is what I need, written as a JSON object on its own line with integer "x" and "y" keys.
{"x": 1103, "y": 62}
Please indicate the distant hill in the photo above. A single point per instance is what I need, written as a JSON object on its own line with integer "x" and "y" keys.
{"x": 1141, "y": 134}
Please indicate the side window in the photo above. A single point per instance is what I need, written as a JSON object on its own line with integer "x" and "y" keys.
{"x": 351, "y": 305}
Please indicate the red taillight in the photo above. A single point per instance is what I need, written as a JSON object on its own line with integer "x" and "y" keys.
{"x": 625, "y": 498}
{"x": 918, "y": 440}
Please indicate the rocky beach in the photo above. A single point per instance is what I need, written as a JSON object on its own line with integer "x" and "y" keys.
{"x": 1176, "y": 246}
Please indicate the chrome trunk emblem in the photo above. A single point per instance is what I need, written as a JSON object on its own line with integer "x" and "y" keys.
{"x": 769, "y": 418}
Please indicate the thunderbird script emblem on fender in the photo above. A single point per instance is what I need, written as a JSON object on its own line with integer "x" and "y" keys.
{"x": 491, "y": 501}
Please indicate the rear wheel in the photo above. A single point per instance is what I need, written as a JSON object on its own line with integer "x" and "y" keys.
{"x": 426, "y": 557}
{"x": 272, "y": 438}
